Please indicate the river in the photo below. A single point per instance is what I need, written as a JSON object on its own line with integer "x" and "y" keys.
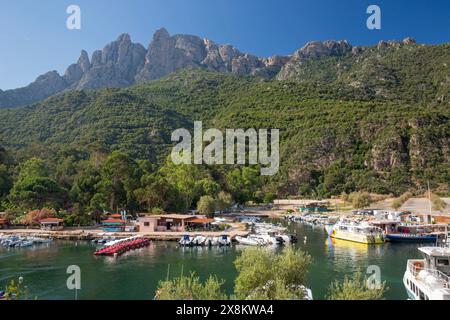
{"x": 135, "y": 275}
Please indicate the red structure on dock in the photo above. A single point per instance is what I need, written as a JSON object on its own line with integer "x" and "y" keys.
{"x": 122, "y": 247}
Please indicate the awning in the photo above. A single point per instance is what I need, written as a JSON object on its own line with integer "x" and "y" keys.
{"x": 201, "y": 220}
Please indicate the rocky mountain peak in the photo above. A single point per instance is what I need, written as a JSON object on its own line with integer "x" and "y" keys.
{"x": 83, "y": 61}
{"x": 161, "y": 34}
{"x": 317, "y": 49}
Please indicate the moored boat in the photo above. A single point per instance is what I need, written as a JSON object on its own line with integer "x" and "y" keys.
{"x": 405, "y": 237}
{"x": 247, "y": 241}
{"x": 356, "y": 233}
{"x": 429, "y": 278}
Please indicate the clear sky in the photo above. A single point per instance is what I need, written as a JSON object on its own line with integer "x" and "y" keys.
{"x": 34, "y": 38}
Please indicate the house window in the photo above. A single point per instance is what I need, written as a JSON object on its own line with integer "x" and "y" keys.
{"x": 146, "y": 224}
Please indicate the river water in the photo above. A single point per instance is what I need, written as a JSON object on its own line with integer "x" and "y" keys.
{"x": 135, "y": 275}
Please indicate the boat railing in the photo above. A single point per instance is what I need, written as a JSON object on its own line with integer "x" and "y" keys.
{"x": 415, "y": 266}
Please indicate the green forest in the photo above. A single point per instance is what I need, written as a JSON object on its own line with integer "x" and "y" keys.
{"x": 84, "y": 152}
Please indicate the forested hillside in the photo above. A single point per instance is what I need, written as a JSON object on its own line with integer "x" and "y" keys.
{"x": 345, "y": 126}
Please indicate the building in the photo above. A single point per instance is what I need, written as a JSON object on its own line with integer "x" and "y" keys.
{"x": 113, "y": 225}
{"x": 173, "y": 222}
{"x": 52, "y": 224}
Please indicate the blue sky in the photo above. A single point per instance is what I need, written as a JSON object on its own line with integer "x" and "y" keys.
{"x": 34, "y": 38}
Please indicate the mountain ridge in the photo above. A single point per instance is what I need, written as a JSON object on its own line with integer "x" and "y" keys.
{"x": 123, "y": 63}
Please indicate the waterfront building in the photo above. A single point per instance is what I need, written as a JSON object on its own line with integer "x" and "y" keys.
{"x": 173, "y": 222}
{"x": 113, "y": 225}
{"x": 52, "y": 224}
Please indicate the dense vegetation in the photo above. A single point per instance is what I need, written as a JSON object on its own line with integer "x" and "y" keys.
{"x": 266, "y": 275}
{"x": 88, "y": 151}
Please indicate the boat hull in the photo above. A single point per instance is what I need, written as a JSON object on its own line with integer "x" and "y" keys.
{"x": 411, "y": 238}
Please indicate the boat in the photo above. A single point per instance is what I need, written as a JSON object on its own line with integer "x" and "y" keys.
{"x": 248, "y": 241}
{"x": 356, "y": 232}
{"x": 224, "y": 240}
{"x": 410, "y": 237}
{"x": 212, "y": 241}
{"x": 185, "y": 240}
{"x": 288, "y": 238}
{"x": 429, "y": 278}
{"x": 199, "y": 240}
{"x": 267, "y": 238}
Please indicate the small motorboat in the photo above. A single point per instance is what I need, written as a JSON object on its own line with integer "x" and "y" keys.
{"x": 224, "y": 240}
{"x": 288, "y": 238}
{"x": 185, "y": 241}
{"x": 248, "y": 241}
{"x": 199, "y": 240}
{"x": 212, "y": 241}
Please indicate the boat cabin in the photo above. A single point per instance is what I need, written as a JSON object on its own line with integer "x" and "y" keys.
{"x": 437, "y": 258}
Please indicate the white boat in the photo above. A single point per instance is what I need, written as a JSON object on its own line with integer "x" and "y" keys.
{"x": 429, "y": 278}
{"x": 247, "y": 241}
{"x": 212, "y": 241}
{"x": 224, "y": 240}
{"x": 185, "y": 240}
{"x": 265, "y": 239}
{"x": 199, "y": 240}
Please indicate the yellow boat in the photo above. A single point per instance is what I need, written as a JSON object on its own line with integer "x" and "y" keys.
{"x": 356, "y": 233}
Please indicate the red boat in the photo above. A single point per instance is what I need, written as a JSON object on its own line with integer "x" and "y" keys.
{"x": 122, "y": 247}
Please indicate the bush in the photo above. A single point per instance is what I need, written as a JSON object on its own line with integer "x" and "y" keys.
{"x": 397, "y": 203}
{"x": 438, "y": 203}
{"x": 360, "y": 200}
{"x": 355, "y": 288}
{"x": 190, "y": 288}
{"x": 266, "y": 275}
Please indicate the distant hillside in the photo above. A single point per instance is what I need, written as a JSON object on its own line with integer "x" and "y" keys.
{"x": 333, "y": 138}
{"x": 389, "y": 69}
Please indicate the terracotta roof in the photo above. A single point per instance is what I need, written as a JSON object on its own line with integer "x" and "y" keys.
{"x": 113, "y": 221}
{"x": 177, "y": 216}
{"x": 201, "y": 220}
{"x": 51, "y": 220}
{"x": 116, "y": 215}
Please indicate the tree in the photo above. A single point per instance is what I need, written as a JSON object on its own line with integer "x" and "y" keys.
{"x": 34, "y": 189}
{"x": 190, "y": 288}
{"x": 118, "y": 181}
{"x": 184, "y": 178}
{"x": 355, "y": 288}
{"x": 157, "y": 192}
{"x": 207, "y": 205}
{"x": 243, "y": 183}
{"x": 265, "y": 275}
{"x": 224, "y": 201}
{"x": 5, "y": 180}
